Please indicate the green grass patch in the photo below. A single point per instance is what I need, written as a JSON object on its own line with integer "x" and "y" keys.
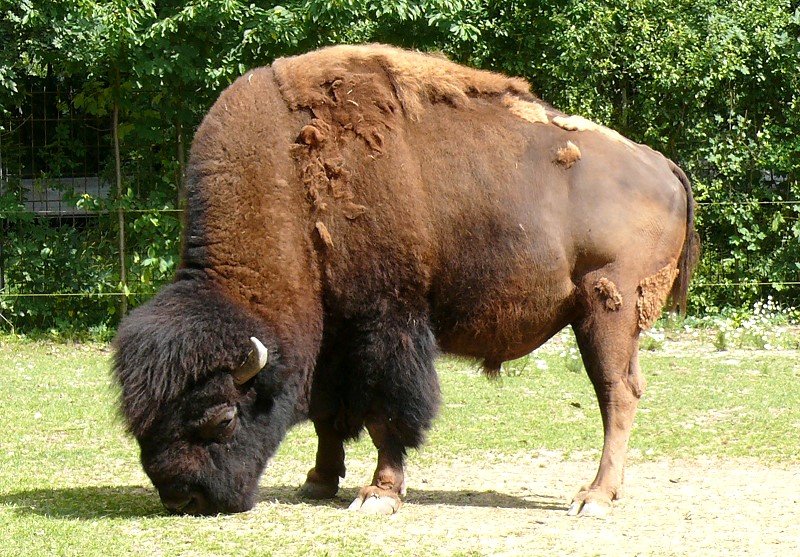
{"x": 71, "y": 484}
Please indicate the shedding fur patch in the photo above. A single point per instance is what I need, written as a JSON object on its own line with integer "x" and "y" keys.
{"x": 362, "y": 93}
{"x": 568, "y": 155}
{"x": 352, "y": 211}
{"x": 577, "y": 123}
{"x": 612, "y": 299}
{"x": 322, "y": 230}
{"x": 312, "y": 135}
{"x": 322, "y": 169}
{"x": 653, "y": 292}
{"x": 531, "y": 111}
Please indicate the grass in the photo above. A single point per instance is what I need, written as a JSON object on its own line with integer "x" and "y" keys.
{"x": 70, "y": 482}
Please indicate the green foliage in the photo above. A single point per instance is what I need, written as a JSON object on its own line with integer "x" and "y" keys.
{"x": 45, "y": 259}
{"x": 765, "y": 326}
{"x": 80, "y": 258}
{"x": 713, "y": 85}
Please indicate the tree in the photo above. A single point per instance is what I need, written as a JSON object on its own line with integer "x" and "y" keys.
{"x": 714, "y": 85}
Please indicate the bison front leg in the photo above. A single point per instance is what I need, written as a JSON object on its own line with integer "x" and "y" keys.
{"x": 322, "y": 481}
{"x": 393, "y": 357}
{"x": 388, "y": 482}
{"x": 608, "y": 339}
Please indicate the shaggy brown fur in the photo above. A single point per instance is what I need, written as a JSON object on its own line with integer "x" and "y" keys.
{"x": 325, "y": 77}
{"x": 358, "y": 209}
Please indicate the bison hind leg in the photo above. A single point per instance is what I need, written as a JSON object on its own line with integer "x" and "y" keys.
{"x": 608, "y": 338}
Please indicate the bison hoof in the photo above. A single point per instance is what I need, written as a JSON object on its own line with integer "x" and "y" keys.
{"x": 590, "y": 503}
{"x": 374, "y": 500}
{"x": 590, "y": 508}
{"x": 313, "y": 490}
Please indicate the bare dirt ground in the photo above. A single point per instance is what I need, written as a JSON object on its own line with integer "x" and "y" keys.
{"x": 518, "y": 507}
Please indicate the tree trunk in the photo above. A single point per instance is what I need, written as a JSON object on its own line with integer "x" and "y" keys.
{"x": 123, "y": 278}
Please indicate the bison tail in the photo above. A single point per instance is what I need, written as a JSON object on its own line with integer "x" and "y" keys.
{"x": 690, "y": 253}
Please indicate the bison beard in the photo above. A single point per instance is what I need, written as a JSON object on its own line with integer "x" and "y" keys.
{"x": 355, "y": 210}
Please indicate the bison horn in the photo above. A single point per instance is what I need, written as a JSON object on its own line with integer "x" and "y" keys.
{"x": 255, "y": 362}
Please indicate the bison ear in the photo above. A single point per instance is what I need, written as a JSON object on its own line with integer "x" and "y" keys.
{"x": 255, "y": 362}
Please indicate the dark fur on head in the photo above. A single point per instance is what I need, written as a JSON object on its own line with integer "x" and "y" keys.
{"x": 204, "y": 438}
{"x": 188, "y": 331}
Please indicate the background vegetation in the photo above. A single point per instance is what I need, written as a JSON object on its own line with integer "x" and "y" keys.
{"x": 713, "y": 84}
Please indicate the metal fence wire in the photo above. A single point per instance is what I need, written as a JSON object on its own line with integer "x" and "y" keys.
{"x": 75, "y": 220}
{"x": 61, "y": 213}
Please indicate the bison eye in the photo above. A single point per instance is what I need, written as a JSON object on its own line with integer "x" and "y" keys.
{"x": 219, "y": 424}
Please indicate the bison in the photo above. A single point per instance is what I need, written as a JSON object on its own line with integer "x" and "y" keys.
{"x": 352, "y": 212}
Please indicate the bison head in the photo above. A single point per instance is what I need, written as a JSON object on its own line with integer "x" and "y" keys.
{"x": 207, "y": 401}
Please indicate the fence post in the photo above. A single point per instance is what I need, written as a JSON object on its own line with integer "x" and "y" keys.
{"x": 181, "y": 166}
{"x": 2, "y": 220}
{"x": 123, "y": 279}
{"x": 2, "y": 253}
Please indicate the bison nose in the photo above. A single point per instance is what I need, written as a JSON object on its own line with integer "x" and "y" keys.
{"x": 185, "y": 502}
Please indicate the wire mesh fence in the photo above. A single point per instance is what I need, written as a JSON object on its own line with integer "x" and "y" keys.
{"x": 57, "y": 271}
{"x": 48, "y": 148}
{"x": 62, "y": 215}
{"x": 67, "y": 206}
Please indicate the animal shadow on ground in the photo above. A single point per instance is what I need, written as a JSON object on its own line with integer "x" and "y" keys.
{"x": 132, "y": 501}
{"x": 86, "y": 503}
{"x": 456, "y": 498}
{"x": 489, "y": 499}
